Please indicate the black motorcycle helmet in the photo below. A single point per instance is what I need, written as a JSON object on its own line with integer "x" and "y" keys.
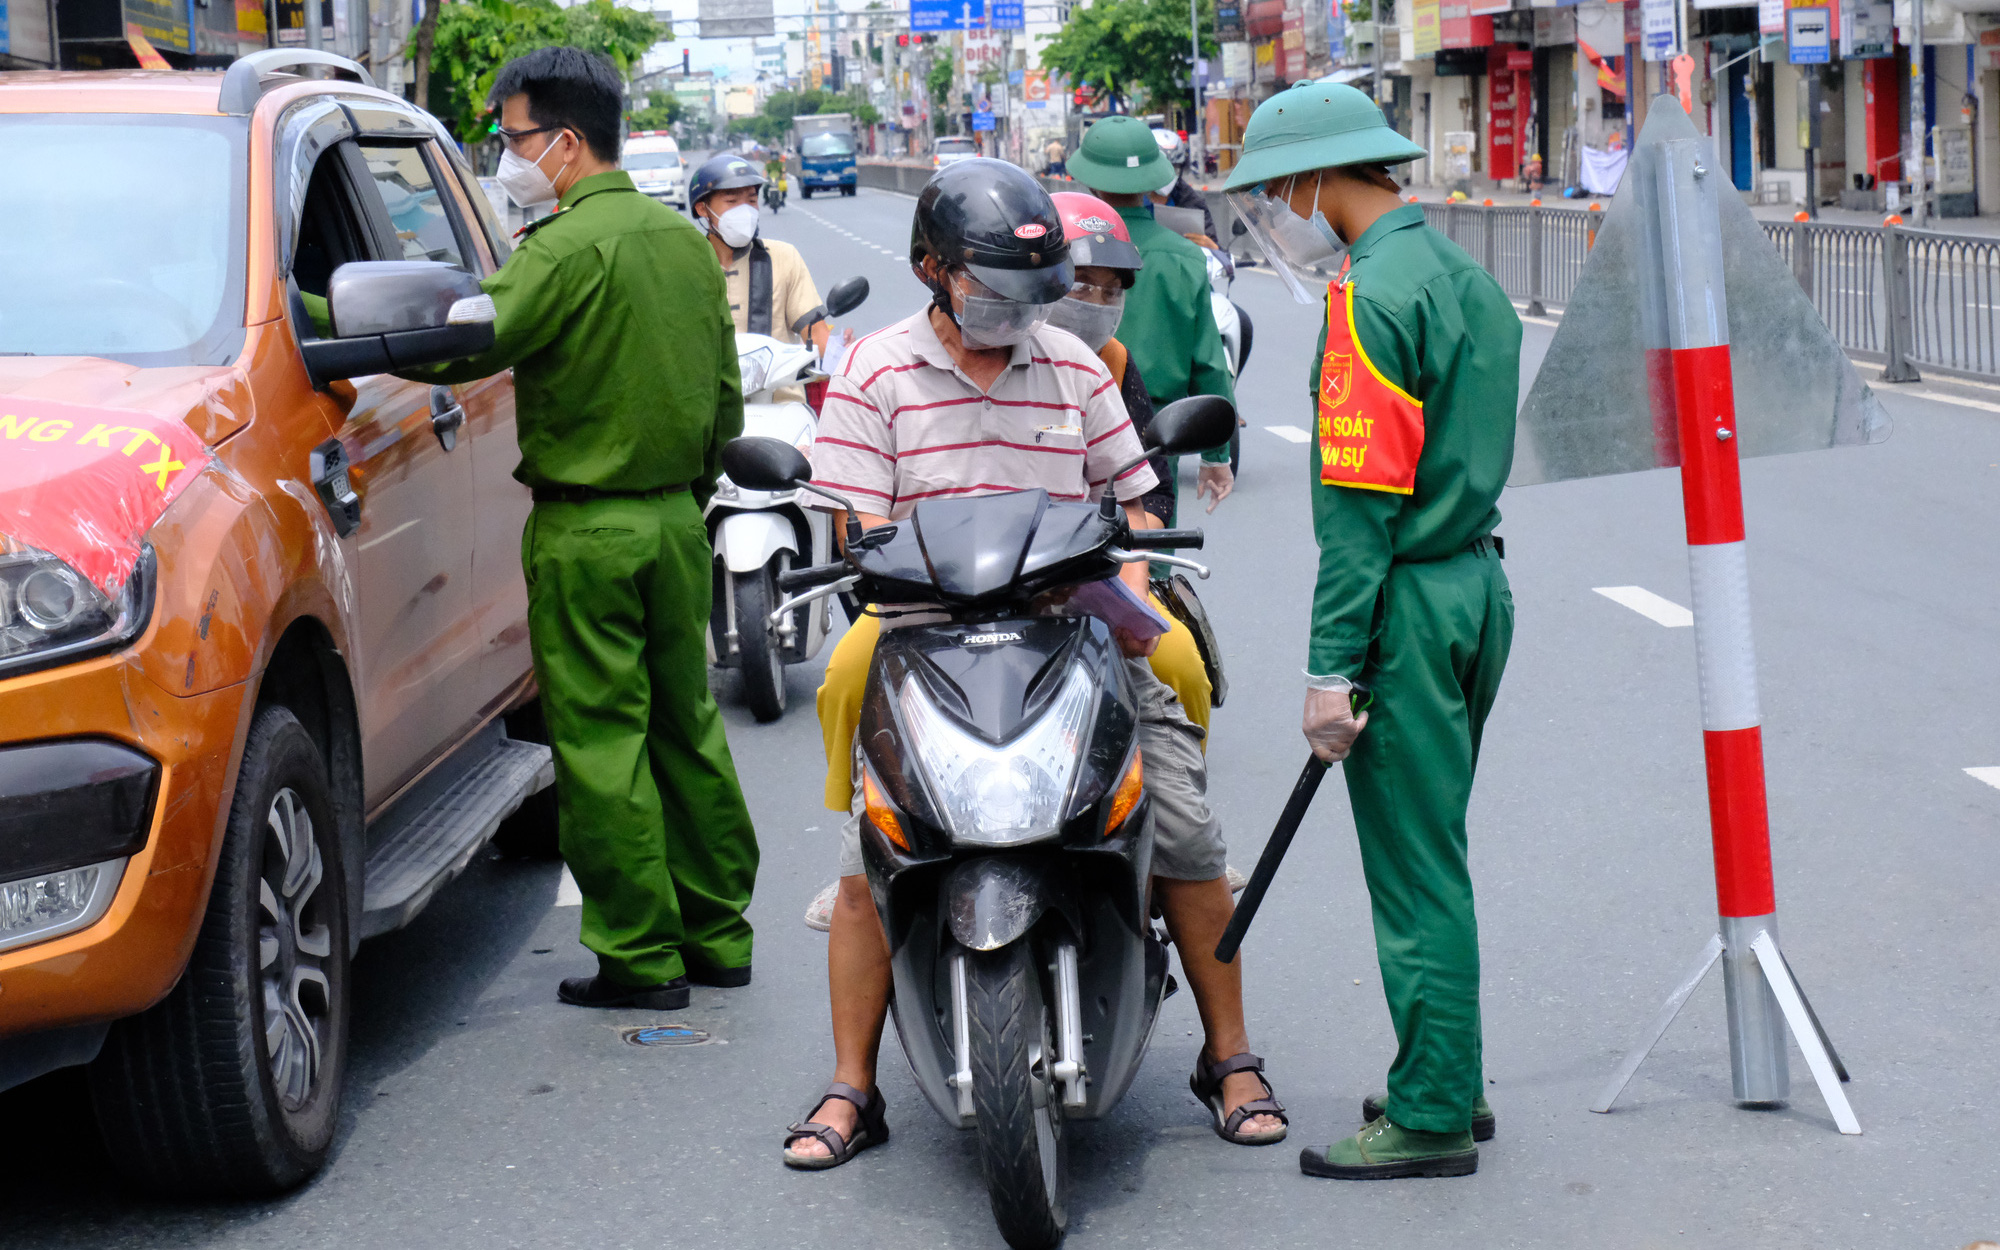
{"x": 722, "y": 173}
{"x": 993, "y": 220}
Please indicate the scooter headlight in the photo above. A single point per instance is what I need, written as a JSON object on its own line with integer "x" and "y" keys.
{"x": 1007, "y": 794}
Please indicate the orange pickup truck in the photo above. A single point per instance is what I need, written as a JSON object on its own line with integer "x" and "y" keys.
{"x": 264, "y": 674}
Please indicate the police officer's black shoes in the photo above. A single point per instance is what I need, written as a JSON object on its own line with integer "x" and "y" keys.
{"x": 720, "y": 978}
{"x": 601, "y": 991}
{"x": 1482, "y": 1115}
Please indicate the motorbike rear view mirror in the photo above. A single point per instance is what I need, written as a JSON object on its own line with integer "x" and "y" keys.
{"x": 847, "y": 296}
{"x": 1197, "y": 423}
{"x": 765, "y": 464}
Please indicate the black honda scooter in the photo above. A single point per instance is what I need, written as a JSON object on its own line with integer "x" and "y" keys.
{"x": 1007, "y": 834}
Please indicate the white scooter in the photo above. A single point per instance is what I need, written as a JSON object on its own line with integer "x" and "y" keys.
{"x": 759, "y": 534}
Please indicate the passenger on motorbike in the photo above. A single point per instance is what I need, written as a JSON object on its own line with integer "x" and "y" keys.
{"x": 770, "y": 290}
{"x": 1106, "y": 265}
{"x": 975, "y": 395}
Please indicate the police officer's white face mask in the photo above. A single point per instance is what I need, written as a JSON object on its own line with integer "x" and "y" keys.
{"x": 737, "y": 226}
{"x": 523, "y": 179}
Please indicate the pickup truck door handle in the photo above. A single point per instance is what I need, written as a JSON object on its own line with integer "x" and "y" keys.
{"x": 447, "y": 414}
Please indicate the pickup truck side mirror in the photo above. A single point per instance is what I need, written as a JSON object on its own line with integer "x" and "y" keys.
{"x": 846, "y": 297}
{"x": 397, "y": 314}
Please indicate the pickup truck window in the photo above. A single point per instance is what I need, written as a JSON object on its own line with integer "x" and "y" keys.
{"x": 123, "y": 237}
{"x": 410, "y": 193}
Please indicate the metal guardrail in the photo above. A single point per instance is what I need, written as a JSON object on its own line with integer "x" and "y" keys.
{"x": 1903, "y": 297}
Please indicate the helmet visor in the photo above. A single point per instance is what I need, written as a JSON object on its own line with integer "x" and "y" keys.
{"x": 1027, "y": 286}
{"x": 1300, "y": 252}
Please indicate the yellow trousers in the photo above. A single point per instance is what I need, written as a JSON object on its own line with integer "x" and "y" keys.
{"x": 1176, "y": 662}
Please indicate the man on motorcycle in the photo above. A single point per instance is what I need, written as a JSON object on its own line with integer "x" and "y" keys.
{"x": 1169, "y": 323}
{"x": 1179, "y": 193}
{"x": 770, "y": 290}
{"x": 974, "y": 395}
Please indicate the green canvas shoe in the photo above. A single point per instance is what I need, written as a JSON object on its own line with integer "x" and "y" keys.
{"x": 1383, "y": 1151}
{"x": 1482, "y": 1115}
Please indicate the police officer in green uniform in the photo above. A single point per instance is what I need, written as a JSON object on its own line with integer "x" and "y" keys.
{"x": 612, "y": 314}
{"x": 1169, "y": 325}
{"x": 1413, "y": 389}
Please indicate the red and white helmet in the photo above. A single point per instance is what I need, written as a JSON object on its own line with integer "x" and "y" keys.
{"x": 1097, "y": 234}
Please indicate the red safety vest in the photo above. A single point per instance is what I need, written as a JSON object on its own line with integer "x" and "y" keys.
{"x": 1371, "y": 431}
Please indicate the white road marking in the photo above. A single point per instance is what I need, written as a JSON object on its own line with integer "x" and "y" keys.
{"x": 567, "y": 895}
{"x": 1290, "y": 433}
{"x": 1991, "y": 776}
{"x": 1960, "y": 400}
{"x": 1649, "y": 605}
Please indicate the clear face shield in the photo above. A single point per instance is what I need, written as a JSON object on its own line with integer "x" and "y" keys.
{"x": 1305, "y": 253}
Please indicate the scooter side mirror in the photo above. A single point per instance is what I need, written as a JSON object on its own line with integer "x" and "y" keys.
{"x": 847, "y": 296}
{"x": 1194, "y": 424}
{"x": 765, "y": 464}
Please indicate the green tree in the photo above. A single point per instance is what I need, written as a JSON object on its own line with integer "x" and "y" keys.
{"x": 476, "y": 37}
{"x": 1132, "y": 50}
{"x": 662, "y": 110}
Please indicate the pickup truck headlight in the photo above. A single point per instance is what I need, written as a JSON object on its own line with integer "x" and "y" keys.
{"x": 50, "y": 613}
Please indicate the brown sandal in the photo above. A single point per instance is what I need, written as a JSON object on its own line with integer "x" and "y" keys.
{"x": 1207, "y": 1086}
{"x": 872, "y": 1131}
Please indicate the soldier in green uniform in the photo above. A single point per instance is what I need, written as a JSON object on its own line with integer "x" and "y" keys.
{"x": 1169, "y": 325}
{"x": 1413, "y": 389}
{"x": 612, "y": 314}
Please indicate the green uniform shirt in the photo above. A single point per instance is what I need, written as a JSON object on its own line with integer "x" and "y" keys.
{"x": 1438, "y": 326}
{"x": 613, "y": 317}
{"x": 1169, "y": 326}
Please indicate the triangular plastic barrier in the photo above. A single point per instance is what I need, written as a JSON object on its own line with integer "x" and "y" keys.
{"x": 1589, "y": 413}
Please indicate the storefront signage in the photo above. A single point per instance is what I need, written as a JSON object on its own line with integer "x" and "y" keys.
{"x": 1229, "y": 21}
{"x": 1867, "y": 30}
{"x": 1424, "y": 28}
{"x": 1659, "y": 29}
{"x": 1458, "y": 28}
{"x": 1953, "y": 145}
{"x": 1555, "y": 28}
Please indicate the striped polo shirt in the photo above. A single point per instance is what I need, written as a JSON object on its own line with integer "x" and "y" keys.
{"x": 902, "y": 423}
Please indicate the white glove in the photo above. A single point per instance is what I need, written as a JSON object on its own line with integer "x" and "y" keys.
{"x": 1331, "y": 725}
{"x": 1214, "y": 479}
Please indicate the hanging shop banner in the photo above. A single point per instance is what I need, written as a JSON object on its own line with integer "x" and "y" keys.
{"x": 1659, "y": 29}
{"x": 1236, "y": 62}
{"x": 1229, "y": 21}
{"x": 1292, "y": 47}
{"x": 1555, "y": 28}
{"x": 1424, "y": 28}
{"x": 1770, "y": 17}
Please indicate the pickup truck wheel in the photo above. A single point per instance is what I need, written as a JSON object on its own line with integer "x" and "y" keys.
{"x": 531, "y": 832}
{"x": 230, "y": 1086}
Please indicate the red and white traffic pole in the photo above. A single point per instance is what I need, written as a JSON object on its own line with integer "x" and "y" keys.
{"x": 1693, "y": 400}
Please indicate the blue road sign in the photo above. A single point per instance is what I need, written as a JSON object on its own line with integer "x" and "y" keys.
{"x": 933, "y": 15}
{"x": 982, "y": 119}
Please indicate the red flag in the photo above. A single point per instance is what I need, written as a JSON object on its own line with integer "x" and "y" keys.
{"x": 1610, "y": 70}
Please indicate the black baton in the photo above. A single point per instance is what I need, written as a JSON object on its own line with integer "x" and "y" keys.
{"x": 1267, "y": 864}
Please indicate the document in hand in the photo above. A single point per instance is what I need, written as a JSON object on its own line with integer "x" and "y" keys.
{"x": 1115, "y": 603}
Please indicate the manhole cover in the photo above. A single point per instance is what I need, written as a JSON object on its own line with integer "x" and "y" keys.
{"x": 665, "y": 1035}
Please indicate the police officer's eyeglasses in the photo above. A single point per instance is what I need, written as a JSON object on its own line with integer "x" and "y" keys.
{"x": 512, "y": 138}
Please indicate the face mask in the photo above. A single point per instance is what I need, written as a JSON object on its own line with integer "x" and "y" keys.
{"x": 523, "y": 179}
{"x": 1301, "y": 252}
{"x": 1093, "y": 323}
{"x": 990, "y": 322}
{"x": 737, "y": 226}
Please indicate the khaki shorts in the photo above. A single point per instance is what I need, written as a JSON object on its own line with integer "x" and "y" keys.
{"x": 1187, "y": 837}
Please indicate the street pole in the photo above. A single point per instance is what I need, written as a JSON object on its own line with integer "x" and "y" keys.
{"x": 1196, "y": 131}
{"x": 1917, "y": 112}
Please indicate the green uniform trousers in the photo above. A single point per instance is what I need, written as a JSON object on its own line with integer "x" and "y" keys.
{"x": 1434, "y": 668}
{"x": 653, "y": 825}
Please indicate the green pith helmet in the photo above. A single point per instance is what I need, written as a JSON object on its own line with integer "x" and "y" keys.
{"x": 1315, "y": 126}
{"x": 1120, "y": 155}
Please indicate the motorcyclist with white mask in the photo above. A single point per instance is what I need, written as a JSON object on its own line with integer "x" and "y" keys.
{"x": 770, "y": 290}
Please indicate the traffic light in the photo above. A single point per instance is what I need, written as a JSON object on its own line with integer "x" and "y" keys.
{"x": 684, "y": 61}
